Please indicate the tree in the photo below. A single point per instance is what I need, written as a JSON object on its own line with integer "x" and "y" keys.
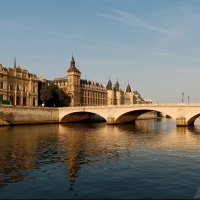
{"x": 51, "y": 95}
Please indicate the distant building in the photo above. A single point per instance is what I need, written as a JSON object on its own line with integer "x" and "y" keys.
{"x": 18, "y": 86}
{"x": 91, "y": 93}
{"x": 22, "y": 88}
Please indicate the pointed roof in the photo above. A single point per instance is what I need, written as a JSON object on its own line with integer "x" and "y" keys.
{"x": 72, "y": 61}
{"x": 109, "y": 85}
{"x": 117, "y": 86}
{"x": 128, "y": 88}
{"x": 72, "y": 67}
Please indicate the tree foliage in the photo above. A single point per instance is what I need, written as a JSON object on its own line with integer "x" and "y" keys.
{"x": 51, "y": 95}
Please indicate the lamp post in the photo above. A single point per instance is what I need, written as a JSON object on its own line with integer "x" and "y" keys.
{"x": 182, "y": 97}
{"x": 188, "y": 99}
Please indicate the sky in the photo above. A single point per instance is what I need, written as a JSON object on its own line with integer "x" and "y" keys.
{"x": 154, "y": 45}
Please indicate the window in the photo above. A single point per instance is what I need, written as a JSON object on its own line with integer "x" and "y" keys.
{"x": 1, "y": 97}
{"x": 18, "y": 88}
{"x": 24, "y": 88}
{"x": 10, "y": 87}
{"x": 33, "y": 89}
{"x": 1, "y": 85}
{"x": 34, "y": 101}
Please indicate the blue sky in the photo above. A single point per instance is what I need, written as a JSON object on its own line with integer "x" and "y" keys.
{"x": 152, "y": 44}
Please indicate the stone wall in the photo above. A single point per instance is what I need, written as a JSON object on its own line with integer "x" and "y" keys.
{"x": 11, "y": 115}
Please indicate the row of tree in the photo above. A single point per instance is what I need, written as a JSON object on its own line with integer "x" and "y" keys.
{"x": 51, "y": 95}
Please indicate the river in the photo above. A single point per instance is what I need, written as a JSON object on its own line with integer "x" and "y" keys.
{"x": 151, "y": 159}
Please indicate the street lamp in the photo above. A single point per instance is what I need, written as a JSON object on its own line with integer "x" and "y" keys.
{"x": 188, "y": 99}
{"x": 182, "y": 97}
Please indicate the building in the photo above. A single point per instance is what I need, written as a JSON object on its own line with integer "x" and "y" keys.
{"x": 91, "y": 93}
{"x": 18, "y": 86}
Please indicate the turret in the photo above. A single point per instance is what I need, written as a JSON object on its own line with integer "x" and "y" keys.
{"x": 117, "y": 86}
{"x": 110, "y": 93}
{"x": 128, "y": 89}
{"x": 109, "y": 85}
{"x": 130, "y": 95}
{"x": 118, "y": 94}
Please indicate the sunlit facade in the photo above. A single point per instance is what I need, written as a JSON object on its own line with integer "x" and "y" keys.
{"x": 18, "y": 86}
{"x": 91, "y": 93}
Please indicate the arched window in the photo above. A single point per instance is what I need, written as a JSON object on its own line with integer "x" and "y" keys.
{"x": 11, "y": 87}
{"x": 24, "y": 101}
{"x": 34, "y": 101}
{"x": 18, "y": 88}
{"x": 18, "y": 100}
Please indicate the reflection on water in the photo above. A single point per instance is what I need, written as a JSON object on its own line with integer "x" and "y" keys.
{"x": 151, "y": 159}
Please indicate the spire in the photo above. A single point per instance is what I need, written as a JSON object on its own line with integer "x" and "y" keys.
{"x": 72, "y": 61}
{"x": 15, "y": 65}
{"x": 128, "y": 88}
{"x": 109, "y": 85}
{"x": 117, "y": 85}
{"x": 72, "y": 67}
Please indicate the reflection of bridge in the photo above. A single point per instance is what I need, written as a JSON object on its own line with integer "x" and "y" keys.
{"x": 183, "y": 114}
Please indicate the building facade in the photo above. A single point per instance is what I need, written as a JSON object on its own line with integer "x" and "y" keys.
{"x": 91, "y": 93}
{"x": 18, "y": 86}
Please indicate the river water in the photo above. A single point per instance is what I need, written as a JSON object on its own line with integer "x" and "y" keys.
{"x": 151, "y": 159}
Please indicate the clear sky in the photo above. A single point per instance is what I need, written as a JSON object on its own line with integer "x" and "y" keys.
{"x": 152, "y": 44}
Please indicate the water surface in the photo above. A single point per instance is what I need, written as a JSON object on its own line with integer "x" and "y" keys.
{"x": 151, "y": 159}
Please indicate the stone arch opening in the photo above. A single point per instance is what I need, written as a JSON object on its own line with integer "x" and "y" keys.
{"x": 131, "y": 116}
{"x": 191, "y": 121}
{"x": 82, "y": 117}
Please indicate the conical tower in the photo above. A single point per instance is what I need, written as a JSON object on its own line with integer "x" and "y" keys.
{"x": 118, "y": 94}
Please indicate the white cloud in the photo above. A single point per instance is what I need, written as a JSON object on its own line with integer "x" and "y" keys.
{"x": 126, "y": 18}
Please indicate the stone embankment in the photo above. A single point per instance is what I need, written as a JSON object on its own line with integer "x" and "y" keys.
{"x": 13, "y": 115}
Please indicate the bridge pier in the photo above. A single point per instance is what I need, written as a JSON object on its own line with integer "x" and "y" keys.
{"x": 110, "y": 120}
{"x": 181, "y": 121}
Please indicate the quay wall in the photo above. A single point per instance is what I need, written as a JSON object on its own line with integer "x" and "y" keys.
{"x": 13, "y": 115}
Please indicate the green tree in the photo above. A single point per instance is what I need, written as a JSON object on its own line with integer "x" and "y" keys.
{"x": 51, "y": 95}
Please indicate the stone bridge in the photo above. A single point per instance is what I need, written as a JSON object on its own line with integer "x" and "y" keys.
{"x": 183, "y": 114}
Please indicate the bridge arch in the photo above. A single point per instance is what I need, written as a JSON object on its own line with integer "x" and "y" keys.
{"x": 191, "y": 120}
{"x": 82, "y": 116}
{"x": 131, "y": 115}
